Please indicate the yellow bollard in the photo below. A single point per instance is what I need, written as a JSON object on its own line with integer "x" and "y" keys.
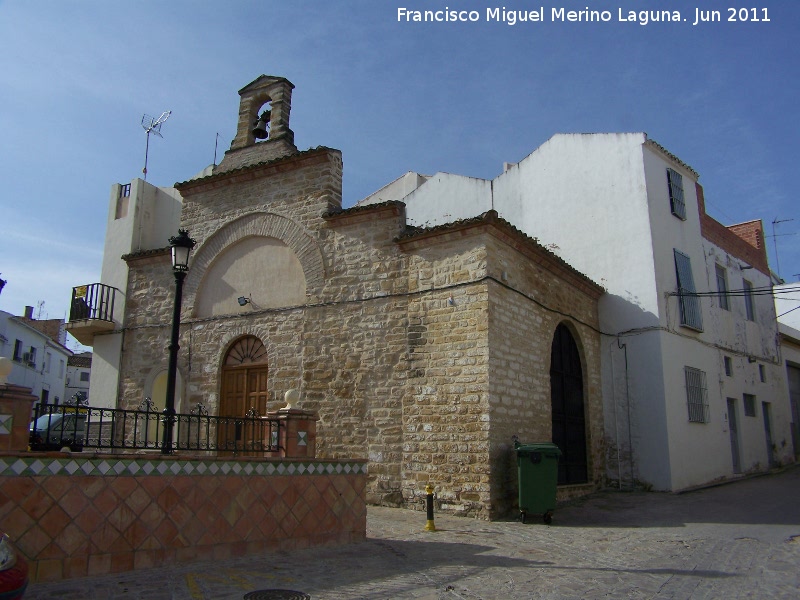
{"x": 429, "y": 526}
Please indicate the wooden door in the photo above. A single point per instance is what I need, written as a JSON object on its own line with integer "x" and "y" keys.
{"x": 244, "y": 393}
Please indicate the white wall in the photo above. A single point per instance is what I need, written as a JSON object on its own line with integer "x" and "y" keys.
{"x": 601, "y": 202}
{"x": 145, "y": 220}
{"x": 37, "y": 376}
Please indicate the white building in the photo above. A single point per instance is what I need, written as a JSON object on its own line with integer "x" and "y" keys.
{"x": 40, "y": 361}
{"x": 141, "y": 217}
{"x": 693, "y": 385}
{"x": 79, "y": 369}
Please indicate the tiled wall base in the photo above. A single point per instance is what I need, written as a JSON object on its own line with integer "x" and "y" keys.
{"x": 75, "y": 516}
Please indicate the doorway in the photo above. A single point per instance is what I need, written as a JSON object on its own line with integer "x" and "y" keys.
{"x": 566, "y": 399}
{"x": 244, "y": 393}
{"x": 733, "y": 428}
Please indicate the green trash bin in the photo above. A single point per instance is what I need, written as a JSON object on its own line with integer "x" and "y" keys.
{"x": 537, "y": 469}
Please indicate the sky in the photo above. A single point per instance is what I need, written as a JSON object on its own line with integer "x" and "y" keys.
{"x": 77, "y": 77}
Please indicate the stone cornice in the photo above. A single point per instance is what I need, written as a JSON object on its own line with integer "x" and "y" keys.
{"x": 264, "y": 169}
{"x": 491, "y": 223}
{"x": 367, "y": 212}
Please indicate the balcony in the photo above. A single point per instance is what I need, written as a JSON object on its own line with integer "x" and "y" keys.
{"x": 91, "y": 311}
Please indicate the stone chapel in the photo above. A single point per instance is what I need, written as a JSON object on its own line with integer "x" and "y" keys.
{"x": 423, "y": 350}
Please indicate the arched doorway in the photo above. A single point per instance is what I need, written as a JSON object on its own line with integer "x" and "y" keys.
{"x": 244, "y": 387}
{"x": 566, "y": 398}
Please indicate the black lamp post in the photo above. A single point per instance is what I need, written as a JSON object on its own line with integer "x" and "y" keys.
{"x": 182, "y": 246}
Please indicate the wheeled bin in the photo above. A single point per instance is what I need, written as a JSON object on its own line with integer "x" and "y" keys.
{"x": 537, "y": 470}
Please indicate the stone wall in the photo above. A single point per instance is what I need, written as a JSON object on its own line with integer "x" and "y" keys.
{"x": 412, "y": 346}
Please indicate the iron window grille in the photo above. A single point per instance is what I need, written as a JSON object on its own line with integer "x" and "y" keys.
{"x": 696, "y": 395}
{"x": 676, "y": 201}
{"x": 691, "y": 311}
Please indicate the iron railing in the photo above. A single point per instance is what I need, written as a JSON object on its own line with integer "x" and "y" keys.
{"x": 83, "y": 427}
{"x": 92, "y": 301}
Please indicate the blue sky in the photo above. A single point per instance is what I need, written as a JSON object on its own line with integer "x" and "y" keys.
{"x": 77, "y": 76}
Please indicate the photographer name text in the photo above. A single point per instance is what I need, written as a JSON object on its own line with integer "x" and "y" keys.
{"x": 562, "y": 15}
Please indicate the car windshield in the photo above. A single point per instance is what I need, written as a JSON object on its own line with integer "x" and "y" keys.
{"x": 54, "y": 421}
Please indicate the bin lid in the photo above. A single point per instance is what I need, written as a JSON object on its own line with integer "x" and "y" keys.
{"x": 546, "y": 448}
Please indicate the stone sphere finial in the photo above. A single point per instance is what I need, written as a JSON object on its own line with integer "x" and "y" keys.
{"x": 292, "y": 397}
{"x": 6, "y": 364}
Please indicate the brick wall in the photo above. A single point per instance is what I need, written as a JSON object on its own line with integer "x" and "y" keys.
{"x": 744, "y": 241}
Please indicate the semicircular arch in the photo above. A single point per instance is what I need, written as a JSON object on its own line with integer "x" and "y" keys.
{"x": 264, "y": 224}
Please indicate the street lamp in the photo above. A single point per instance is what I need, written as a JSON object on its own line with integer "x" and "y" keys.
{"x": 182, "y": 246}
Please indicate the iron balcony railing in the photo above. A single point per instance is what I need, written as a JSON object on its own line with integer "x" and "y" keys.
{"x": 82, "y": 427}
{"x": 92, "y": 301}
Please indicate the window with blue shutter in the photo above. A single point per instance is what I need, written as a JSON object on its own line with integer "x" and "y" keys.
{"x": 676, "y": 201}
{"x": 691, "y": 313}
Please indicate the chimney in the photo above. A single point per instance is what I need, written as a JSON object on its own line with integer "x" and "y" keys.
{"x": 29, "y": 312}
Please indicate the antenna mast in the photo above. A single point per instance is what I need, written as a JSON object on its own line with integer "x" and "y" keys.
{"x": 775, "y": 221}
{"x": 151, "y": 124}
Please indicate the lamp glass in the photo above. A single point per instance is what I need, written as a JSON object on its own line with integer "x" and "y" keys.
{"x": 180, "y": 258}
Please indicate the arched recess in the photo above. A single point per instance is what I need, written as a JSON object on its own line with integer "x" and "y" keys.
{"x": 156, "y": 389}
{"x": 262, "y": 269}
{"x": 568, "y": 407}
{"x": 263, "y": 224}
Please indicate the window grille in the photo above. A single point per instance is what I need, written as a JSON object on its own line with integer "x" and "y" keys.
{"x": 696, "y": 395}
{"x": 691, "y": 313}
{"x": 676, "y": 201}
{"x": 722, "y": 287}
{"x": 749, "y": 405}
{"x": 748, "y": 300}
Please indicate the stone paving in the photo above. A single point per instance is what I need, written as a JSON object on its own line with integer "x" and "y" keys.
{"x": 739, "y": 540}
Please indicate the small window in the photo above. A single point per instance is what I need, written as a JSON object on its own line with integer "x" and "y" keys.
{"x": 749, "y": 405}
{"x": 722, "y": 288}
{"x": 691, "y": 313}
{"x": 728, "y": 366}
{"x": 84, "y": 376}
{"x": 748, "y": 300}
{"x": 18, "y": 350}
{"x": 762, "y": 373}
{"x": 676, "y": 201}
{"x": 696, "y": 395}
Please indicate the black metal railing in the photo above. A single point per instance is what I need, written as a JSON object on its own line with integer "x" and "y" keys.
{"x": 82, "y": 427}
{"x": 92, "y": 301}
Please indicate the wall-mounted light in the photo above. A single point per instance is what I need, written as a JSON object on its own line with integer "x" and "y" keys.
{"x": 243, "y": 301}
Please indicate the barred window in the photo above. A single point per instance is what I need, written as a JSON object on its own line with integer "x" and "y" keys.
{"x": 676, "y": 201}
{"x": 722, "y": 287}
{"x": 696, "y": 395}
{"x": 691, "y": 313}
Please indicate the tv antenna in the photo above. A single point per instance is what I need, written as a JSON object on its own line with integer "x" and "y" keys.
{"x": 774, "y": 236}
{"x": 153, "y": 125}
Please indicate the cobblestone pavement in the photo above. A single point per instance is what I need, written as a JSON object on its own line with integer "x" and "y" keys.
{"x": 740, "y": 540}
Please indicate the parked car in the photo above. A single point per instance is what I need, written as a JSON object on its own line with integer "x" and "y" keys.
{"x": 13, "y": 571}
{"x": 56, "y": 430}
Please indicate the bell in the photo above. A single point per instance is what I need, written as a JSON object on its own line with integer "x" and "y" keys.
{"x": 260, "y": 130}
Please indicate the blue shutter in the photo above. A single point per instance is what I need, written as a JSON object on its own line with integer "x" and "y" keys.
{"x": 691, "y": 314}
{"x": 676, "y": 201}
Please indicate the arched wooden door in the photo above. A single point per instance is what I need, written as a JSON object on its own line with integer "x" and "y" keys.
{"x": 244, "y": 389}
{"x": 566, "y": 396}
